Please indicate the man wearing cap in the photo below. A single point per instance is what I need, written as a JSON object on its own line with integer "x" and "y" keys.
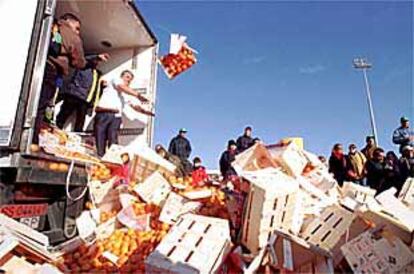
{"x": 403, "y": 135}
{"x": 245, "y": 141}
{"x": 227, "y": 157}
{"x": 407, "y": 163}
{"x": 180, "y": 146}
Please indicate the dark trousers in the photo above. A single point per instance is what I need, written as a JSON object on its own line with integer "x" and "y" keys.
{"x": 106, "y": 130}
{"x": 72, "y": 104}
{"x": 46, "y": 97}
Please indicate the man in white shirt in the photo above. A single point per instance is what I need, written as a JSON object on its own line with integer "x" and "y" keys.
{"x": 108, "y": 117}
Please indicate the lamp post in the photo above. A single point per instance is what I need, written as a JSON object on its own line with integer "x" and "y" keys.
{"x": 361, "y": 63}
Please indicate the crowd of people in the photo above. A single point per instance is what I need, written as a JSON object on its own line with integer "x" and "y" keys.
{"x": 179, "y": 151}
{"x": 372, "y": 166}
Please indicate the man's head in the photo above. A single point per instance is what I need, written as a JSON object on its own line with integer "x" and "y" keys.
{"x": 248, "y": 131}
{"x": 338, "y": 149}
{"x": 352, "y": 148}
{"x": 370, "y": 140}
{"x": 73, "y": 22}
{"x": 125, "y": 157}
{"x": 390, "y": 156}
{"x": 160, "y": 150}
{"x": 405, "y": 123}
{"x": 197, "y": 161}
{"x": 379, "y": 155}
{"x": 322, "y": 158}
{"x": 182, "y": 132}
{"x": 127, "y": 77}
{"x": 232, "y": 145}
{"x": 407, "y": 151}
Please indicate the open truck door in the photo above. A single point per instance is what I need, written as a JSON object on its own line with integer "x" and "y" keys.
{"x": 30, "y": 191}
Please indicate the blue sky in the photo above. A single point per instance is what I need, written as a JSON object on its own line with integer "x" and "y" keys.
{"x": 286, "y": 69}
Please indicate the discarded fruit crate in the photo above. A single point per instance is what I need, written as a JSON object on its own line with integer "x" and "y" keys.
{"x": 377, "y": 252}
{"x": 290, "y": 157}
{"x": 291, "y": 253}
{"x": 195, "y": 244}
{"x": 357, "y": 192}
{"x": 321, "y": 178}
{"x": 326, "y": 230}
{"x": 273, "y": 202}
{"x": 407, "y": 193}
{"x": 142, "y": 168}
{"x": 255, "y": 158}
{"x": 154, "y": 189}
{"x": 394, "y": 207}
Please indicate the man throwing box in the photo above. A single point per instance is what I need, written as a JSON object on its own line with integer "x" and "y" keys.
{"x": 108, "y": 117}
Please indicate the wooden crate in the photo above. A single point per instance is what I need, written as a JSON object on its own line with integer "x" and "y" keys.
{"x": 322, "y": 179}
{"x": 195, "y": 244}
{"x": 142, "y": 168}
{"x": 16, "y": 257}
{"x": 290, "y": 157}
{"x": 396, "y": 208}
{"x": 326, "y": 230}
{"x": 154, "y": 189}
{"x": 255, "y": 158}
{"x": 273, "y": 202}
{"x": 293, "y": 254}
{"x": 407, "y": 193}
{"x": 377, "y": 252}
{"x": 357, "y": 192}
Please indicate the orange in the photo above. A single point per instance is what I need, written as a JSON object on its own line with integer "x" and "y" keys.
{"x": 54, "y": 166}
{"x": 63, "y": 167}
{"x": 34, "y": 148}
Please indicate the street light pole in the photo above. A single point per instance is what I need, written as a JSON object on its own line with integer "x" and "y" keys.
{"x": 360, "y": 63}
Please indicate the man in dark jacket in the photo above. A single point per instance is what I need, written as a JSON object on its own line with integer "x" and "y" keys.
{"x": 338, "y": 164}
{"x": 82, "y": 92}
{"x": 227, "y": 157}
{"x": 406, "y": 163}
{"x": 403, "y": 135}
{"x": 69, "y": 54}
{"x": 180, "y": 146}
{"x": 375, "y": 170}
{"x": 245, "y": 141}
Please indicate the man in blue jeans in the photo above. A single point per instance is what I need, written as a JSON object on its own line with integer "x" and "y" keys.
{"x": 109, "y": 111}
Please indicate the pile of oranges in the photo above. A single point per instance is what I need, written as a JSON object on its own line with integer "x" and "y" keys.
{"x": 128, "y": 249}
{"x": 181, "y": 183}
{"x": 105, "y": 216}
{"x": 100, "y": 173}
{"x": 58, "y": 167}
